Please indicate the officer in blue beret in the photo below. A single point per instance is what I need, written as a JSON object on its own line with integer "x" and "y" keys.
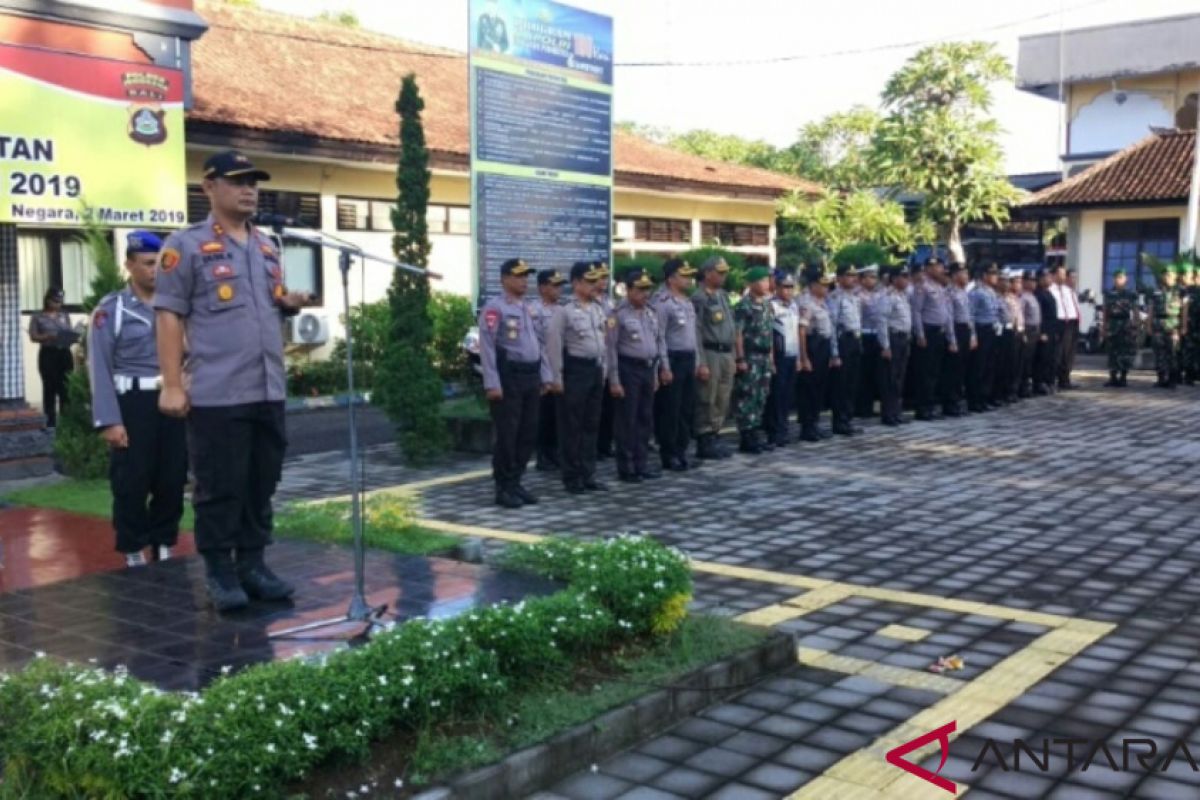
{"x": 147, "y": 449}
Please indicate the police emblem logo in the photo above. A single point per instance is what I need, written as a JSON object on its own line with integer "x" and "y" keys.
{"x": 169, "y": 259}
{"x": 225, "y": 292}
{"x": 218, "y": 231}
{"x": 212, "y": 247}
{"x": 491, "y": 318}
{"x": 612, "y": 322}
{"x": 718, "y": 316}
{"x": 147, "y": 119}
{"x": 99, "y": 318}
{"x": 222, "y": 271}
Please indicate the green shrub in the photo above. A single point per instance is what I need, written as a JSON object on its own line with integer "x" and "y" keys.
{"x": 79, "y": 448}
{"x": 307, "y": 378}
{"x": 452, "y": 316}
{"x": 74, "y": 731}
{"x": 370, "y": 324}
{"x": 861, "y": 254}
{"x": 653, "y": 264}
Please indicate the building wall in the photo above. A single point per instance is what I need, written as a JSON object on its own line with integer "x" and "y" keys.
{"x": 451, "y": 254}
{"x": 1099, "y": 123}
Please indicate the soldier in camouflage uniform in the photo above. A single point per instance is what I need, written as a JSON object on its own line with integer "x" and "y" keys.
{"x": 1118, "y": 329}
{"x": 1190, "y": 355}
{"x": 1165, "y": 320}
{"x": 754, "y": 364}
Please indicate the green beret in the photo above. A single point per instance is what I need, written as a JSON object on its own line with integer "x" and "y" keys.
{"x": 757, "y": 274}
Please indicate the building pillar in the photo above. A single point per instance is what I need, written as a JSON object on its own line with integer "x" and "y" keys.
{"x": 24, "y": 444}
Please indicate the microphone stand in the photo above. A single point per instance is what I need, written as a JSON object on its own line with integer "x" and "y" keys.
{"x": 359, "y": 610}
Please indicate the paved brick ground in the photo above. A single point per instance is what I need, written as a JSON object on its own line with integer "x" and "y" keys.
{"x": 1079, "y": 505}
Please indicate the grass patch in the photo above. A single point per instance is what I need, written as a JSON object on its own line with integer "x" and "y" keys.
{"x": 390, "y": 519}
{"x": 90, "y": 497}
{"x": 467, "y": 407}
{"x": 539, "y": 714}
{"x": 390, "y": 525}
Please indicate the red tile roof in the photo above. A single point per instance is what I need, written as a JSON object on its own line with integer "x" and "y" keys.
{"x": 1157, "y": 169}
{"x": 271, "y": 74}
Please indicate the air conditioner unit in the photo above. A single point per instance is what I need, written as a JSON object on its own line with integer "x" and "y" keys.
{"x": 623, "y": 230}
{"x": 309, "y": 328}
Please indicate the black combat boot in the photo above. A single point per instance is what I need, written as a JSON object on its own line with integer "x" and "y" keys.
{"x": 1113, "y": 380}
{"x": 705, "y": 447}
{"x": 224, "y": 590}
{"x": 749, "y": 443}
{"x": 257, "y": 579}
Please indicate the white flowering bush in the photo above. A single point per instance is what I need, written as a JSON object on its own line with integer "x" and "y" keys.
{"x": 76, "y": 731}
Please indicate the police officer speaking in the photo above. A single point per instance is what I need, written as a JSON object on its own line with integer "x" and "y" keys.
{"x": 147, "y": 449}
{"x": 515, "y": 375}
{"x": 220, "y": 282}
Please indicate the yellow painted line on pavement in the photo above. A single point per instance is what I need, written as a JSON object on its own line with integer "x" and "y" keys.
{"x": 866, "y": 772}
{"x": 884, "y": 673}
{"x": 401, "y": 488}
{"x": 903, "y": 633}
{"x": 483, "y": 533}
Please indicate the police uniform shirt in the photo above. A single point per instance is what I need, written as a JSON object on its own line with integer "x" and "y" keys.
{"x": 873, "y": 319}
{"x": 786, "y": 322}
{"x": 986, "y": 306}
{"x": 895, "y": 312}
{"x": 226, "y": 292}
{"x": 960, "y": 303}
{"x": 578, "y": 330}
{"x": 1011, "y": 307}
{"x": 121, "y": 342}
{"x": 677, "y": 320}
{"x": 814, "y": 316}
{"x": 846, "y": 312}
{"x": 636, "y": 335}
{"x": 714, "y": 317}
{"x": 44, "y": 322}
{"x": 931, "y": 308}
{"x": 543, "y": 312}
{"x": 1031, "y": 310}
{"x": 511, "y": 326}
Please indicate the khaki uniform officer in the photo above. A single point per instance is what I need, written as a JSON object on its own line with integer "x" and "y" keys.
{"x": 715, "y": 332}
{"x": 220, "y": 282}
{"x": 515, "y": 373}
{"x": 577, "y": 351}
{"x": 147, "y": 449}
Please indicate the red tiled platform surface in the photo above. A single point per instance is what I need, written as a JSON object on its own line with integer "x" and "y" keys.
{"x": 156, "y": 620}
{"x": 39, "y": 546}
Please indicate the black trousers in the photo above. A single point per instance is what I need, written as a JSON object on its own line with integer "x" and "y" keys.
{"x": 954, "y": 370}
{"x": 1006, "y": 365}
{"x": 1066, "y": 351}
{"x": 54, "y": 365}
{"x": 547, "y": 440}
{"x": 890, "y": 374}
{"x": 237, "y": 461}
{"x": 675, "y": 406}
{"x": 1029, "y": 345}
{"x": 604, "y": 439}
{"x": 782, "y": 398}
{"x": 983, "y": 368}
{"x": 868, "y": 381}
{"x": 514, "y": 422}
{"x": 811, "y": 385}
{"x": 929, "y": 368}
{"x": 1046, "y": 368}
{"x": 634, "y": 415}
{"x": 154, "y": 466}
{"x": 845, "y": 379}
{"x": 579, "y": 418}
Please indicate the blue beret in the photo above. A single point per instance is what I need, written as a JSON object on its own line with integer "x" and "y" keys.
{"x": 142, "y": 242}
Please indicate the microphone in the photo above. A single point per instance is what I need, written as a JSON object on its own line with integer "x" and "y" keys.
{"x": 276, "y": 222}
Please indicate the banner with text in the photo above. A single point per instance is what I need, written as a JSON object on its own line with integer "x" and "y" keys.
{"x": 541, "y": 136}
{"x": 77, "y": 129}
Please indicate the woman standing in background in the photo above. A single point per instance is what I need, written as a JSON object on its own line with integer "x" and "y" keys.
{"x": 51, "y": 328}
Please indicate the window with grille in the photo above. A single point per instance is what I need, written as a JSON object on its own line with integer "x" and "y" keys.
{"x": 735, "y": 234}
{"x": 53, "y": 258}
{"x": 303, "y": 207}
{"x": 363, "y": 214}
{"x": 1126, "y": 240}
{"x": 658, "y": 229}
